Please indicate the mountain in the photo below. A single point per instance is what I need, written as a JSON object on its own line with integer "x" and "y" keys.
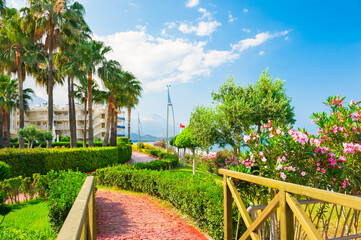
{"x": 36, "y": 100}
{"x": 144, "y": 138}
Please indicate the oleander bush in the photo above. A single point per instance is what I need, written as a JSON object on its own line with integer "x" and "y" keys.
{"x": 26, "y": 162}
{"x": 198, "y": 196}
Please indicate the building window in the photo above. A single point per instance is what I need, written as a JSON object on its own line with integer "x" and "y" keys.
{"x": 38, "y": 124}
{"x": 103, "y": 125}
{"x": 103, "y": 115}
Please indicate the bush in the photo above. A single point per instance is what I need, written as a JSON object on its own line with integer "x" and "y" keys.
{"x": 26, "y": 162}
{"x": 124, "y": 140}
{"x": 17, "y": 234}
{"x": 198, "y": 196}
{"x": 62, "y": 189}
{"x": 4, "y": 171}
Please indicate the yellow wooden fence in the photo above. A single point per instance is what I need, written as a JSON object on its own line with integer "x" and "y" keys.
{"x": 80, "y": 222}
{"x": 288, "y": 205}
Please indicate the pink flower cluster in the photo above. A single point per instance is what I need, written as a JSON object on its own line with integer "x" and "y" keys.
{"x": 336, "y": 102}
{"x": 299, "y": 136}
{"x": 351, "y": 147}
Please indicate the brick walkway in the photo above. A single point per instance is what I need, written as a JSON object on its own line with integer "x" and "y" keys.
{"x": 141, "y": 157}
{"x": 126, "y": 216}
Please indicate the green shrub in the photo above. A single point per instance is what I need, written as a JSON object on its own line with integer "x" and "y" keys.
{"x": 26, "y": 162}
{"x": 124, "y": 140}
{"x": 198, "y": 196}
{"x": 17, "y": 234}
{"x": 61, "y": 190}
{"x": 4, "y": 171}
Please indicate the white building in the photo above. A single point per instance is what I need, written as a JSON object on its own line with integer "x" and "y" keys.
{"x": 38, "y": 116}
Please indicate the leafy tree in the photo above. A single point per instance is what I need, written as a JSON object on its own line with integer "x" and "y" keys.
{"x": 186, "y": 139}
{"x": 31, "y": 133}
{"x": 241, "y": 108}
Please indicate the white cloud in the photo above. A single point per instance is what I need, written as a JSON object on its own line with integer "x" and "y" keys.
{"x": 202, "y": 29}
{"x": 192, "y": 3}
{"x": 286, "y": 38}
{"x": 258, "y": 40}
{"x": 231, "y": 18}
{"x": 247, "y": 30}
{"x": 133, "y": 4}
{"x": 17, "y": 3}
{"x": 158, "y": 61}
{"x": 170, "y": 25}
{"x": 245, "y": 10}
{"x": 261, "y": 53}
{"x": 205, "y": 14}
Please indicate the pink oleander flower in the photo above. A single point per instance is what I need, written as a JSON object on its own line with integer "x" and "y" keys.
{"x": 342, "y": 158}
{"x": 283, "y": 176}
{"x": 303, "y": 174}
{"x": 264, "y": 159}
{"x": 323, "y": 170}
{"x": 246, "y": 138}
{"x": 279, "y": 167}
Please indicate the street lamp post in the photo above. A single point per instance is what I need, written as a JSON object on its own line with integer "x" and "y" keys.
{"x": 169, "y": 105}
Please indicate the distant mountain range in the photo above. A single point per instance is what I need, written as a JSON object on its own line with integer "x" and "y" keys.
{"x": 144, "y": 138}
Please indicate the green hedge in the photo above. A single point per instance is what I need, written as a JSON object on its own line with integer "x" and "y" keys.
{"x": 60, "y": 189}
{"x": 168, "y": 163}
{"x": 198, "y": 196}
{"x": 26, "y": 162}
{"x": 58, "y": 144}
{"x": 21, "y": 234}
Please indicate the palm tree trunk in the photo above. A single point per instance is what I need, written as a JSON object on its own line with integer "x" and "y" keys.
{"x": 6, "y": 128}
{"x": 73, "y": 112}
{"x": 90, "y": 109}
{"x": 85, "y": 114}
{"x": 20, "y": 95}
{"x": 113, "y": 136}
{"x": 50, "y": 83}
{"x": 110, "y": 113}
{"x": 72, "y": 127}
{"x": 129, "y": 115}
{"x": 1, "y": 130}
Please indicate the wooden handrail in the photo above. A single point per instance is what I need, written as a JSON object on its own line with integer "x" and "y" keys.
{"x": 289, "y": 206}
{"x": 80, "y": 222}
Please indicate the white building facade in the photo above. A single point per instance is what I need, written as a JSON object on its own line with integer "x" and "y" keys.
{"x": 38, "y": 115}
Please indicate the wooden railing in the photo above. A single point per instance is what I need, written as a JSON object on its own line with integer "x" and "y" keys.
{"x": 289, "y": 208}
{"x": 80, "y": 222}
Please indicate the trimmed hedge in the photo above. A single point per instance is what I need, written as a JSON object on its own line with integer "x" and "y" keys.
{"x": 26, "y": 162}
{"x": 198, "y": 196}
{"x": 168, "y": 163}
{"x": 60, "y": 189}
{"x": 58, "y": 144}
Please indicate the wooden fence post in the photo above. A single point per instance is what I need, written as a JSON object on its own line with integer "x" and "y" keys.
{"x": 228, "y": 221}
{"x": 287, "y": 229}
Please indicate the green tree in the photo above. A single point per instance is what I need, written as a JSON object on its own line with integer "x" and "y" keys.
{"x": 16, "y": 44}
{"x": 239, "y": 109}
{"x": 186, "y": 139}
{"x": 31, "y": 134}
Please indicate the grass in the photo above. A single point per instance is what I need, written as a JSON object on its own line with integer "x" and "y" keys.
{"x": 189, "y": 171}
{"x": 29, "y": 217}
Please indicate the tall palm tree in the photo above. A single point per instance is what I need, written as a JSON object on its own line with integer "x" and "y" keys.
{"x": 75, "y": 31}
{"x": 81, "y": 93}
{"x": 50, "y": 18}
{"x": 9, "y": 102}
{"x": 133, "y": 89}
{"x": 111, "y": 75}
{"x": 15, "y": 44}
{"x": 91, "y": 54}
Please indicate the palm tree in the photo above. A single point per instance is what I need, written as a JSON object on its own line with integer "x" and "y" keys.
{"x": 111, "y": 75}
{"x": 91, "y": 54}
{"x": 15, "y": 44}
{"x": 9, "y": 102}
{"x": 77, "y": 30}
{"x": 133, "y": 90}
{"x": 51, "y": 18}
{"x": 81, "y": 93}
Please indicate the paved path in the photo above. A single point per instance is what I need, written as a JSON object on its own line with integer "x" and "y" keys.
{"x": 126, "y": 216}
{"x": 140, "y": 157}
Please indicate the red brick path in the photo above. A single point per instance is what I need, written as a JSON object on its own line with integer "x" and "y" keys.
{"x": 124, "y": 216}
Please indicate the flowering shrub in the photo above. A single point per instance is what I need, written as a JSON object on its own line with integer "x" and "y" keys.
{"x": 329, "y": 160}
{"x": 160, "y": 143}
{"x": 213, "y": 161}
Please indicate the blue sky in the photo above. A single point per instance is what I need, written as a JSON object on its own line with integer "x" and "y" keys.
{"x": 194, "y": 45}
